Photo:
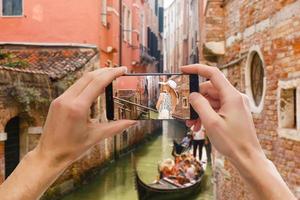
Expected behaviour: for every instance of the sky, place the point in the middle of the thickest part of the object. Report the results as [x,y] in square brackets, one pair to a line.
[167,2]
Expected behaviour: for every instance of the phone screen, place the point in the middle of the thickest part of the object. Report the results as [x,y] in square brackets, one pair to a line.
[151,97]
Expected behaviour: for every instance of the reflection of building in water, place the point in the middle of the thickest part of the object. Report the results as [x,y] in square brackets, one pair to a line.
[182,108]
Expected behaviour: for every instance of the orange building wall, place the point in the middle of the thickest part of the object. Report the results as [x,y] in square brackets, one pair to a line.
[59,21]
[109,35]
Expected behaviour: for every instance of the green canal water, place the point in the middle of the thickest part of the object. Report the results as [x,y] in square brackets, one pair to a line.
[117,183]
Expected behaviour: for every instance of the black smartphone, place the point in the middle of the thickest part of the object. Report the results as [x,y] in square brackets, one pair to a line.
[151,96]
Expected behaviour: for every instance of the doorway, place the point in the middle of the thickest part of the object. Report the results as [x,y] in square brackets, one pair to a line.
[12,145]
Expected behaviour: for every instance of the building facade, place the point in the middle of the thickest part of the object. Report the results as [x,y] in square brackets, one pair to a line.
[44,48]
[33,21]
[181,35]
[256,45]
[138,42]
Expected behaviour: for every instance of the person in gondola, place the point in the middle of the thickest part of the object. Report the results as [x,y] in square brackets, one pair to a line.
[167,168]
[187,140]
[168,100]
[189,170]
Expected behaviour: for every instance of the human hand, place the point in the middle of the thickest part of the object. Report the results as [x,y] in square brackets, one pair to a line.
[68,131]
[225,114]
[206,142]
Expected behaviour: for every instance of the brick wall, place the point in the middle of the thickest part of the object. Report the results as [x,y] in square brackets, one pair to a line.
[273,29]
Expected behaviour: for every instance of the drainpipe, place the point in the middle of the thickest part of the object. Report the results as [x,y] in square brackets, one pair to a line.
[121,32]
[116,155]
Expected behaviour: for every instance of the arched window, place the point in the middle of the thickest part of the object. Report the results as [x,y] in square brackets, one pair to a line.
[257,78]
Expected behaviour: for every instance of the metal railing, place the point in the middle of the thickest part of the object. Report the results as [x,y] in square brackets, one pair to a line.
[140,108]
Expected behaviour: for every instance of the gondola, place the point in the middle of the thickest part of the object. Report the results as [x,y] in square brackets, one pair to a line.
[165,190]
[178,149]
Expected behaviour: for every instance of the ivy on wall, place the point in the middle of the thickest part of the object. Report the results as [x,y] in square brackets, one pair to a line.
[27,98]
[65,83]
[11,60]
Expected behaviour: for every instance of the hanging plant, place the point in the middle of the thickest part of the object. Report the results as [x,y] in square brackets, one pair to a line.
[11,60]
[27,98]
[65,83]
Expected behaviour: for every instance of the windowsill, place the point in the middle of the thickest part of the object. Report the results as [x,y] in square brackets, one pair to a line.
[12,16]
[289,133]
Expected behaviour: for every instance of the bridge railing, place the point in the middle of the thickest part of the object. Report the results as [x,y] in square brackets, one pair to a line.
[145,110]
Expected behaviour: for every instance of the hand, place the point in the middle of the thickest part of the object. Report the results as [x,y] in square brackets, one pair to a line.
[68,131]
[206,142]
[225,114]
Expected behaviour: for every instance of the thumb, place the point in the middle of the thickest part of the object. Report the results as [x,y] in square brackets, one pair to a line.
[102,131]
[201,105]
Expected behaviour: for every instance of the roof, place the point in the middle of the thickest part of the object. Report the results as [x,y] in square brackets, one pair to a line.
[55,61]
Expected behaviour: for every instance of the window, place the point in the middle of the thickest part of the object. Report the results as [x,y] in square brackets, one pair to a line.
[12,7]
[104,12]
[127,24]
[255,80]
[185,102]
[289,109]
[124,21]
[143,34]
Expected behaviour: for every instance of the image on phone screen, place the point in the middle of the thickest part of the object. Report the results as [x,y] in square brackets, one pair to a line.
[151,97]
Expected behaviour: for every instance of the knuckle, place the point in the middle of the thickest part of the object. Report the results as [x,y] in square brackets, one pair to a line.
[238,98]
[246,100]
[213,123]
[57,103]
[89,75]
[73,111]
[215,70]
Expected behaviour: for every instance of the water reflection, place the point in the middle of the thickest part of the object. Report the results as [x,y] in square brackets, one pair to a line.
[116,183]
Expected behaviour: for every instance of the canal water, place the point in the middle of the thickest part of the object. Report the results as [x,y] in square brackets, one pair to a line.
[117,183]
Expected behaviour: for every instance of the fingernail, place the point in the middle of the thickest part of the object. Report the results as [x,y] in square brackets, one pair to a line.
[133,122]
[124,68]
[193,96]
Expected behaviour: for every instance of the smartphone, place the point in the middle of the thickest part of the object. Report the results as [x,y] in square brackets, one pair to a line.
[155,96]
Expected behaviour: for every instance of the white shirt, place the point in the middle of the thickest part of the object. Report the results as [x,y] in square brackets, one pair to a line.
[190,173]
[199,135]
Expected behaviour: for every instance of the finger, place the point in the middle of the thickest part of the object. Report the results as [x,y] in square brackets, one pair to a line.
[82,83]
[215,104]
[102,131]
[214,75]
[207,89]
[206,113]
[98,84]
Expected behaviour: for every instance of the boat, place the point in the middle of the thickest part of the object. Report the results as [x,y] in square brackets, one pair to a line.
[179,149]
[164,189]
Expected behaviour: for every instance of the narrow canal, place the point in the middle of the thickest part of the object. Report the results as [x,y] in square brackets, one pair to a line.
[117,183]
